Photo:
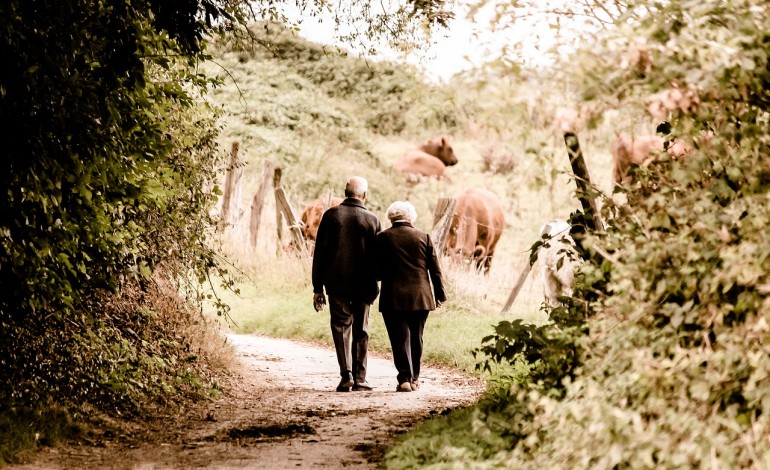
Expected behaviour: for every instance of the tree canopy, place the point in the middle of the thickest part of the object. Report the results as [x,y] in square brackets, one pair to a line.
[110,174]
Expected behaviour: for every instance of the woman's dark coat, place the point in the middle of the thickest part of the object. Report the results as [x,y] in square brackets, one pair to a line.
[409,270]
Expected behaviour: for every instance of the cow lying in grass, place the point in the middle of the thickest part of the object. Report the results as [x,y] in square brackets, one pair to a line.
[429,160]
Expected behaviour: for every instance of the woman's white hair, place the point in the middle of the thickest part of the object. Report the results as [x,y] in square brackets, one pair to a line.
[401,210]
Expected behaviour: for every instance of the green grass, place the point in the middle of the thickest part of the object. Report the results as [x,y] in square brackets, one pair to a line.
[275,300]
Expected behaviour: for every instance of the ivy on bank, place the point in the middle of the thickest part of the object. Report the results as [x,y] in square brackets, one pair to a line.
[109,177]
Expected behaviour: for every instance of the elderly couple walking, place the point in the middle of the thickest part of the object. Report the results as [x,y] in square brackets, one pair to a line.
[352,253]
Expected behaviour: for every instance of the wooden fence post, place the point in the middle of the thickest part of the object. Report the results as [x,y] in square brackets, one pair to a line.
[442,219]
[592,217]
[282,205]
[234,172]
[327,201]
[258,202]
[583,181]
[278,216]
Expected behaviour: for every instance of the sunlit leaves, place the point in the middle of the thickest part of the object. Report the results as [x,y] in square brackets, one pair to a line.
[673,370]
[105,182]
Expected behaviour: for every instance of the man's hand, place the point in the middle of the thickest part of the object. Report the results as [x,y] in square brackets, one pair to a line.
[439,303]
[319,300]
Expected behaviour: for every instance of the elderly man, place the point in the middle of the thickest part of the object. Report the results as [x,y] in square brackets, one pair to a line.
[412,285]
[343,263]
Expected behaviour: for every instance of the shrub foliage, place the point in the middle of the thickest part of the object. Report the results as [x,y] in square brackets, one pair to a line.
[110,163]
[387,97]
[672,364]
[106,181]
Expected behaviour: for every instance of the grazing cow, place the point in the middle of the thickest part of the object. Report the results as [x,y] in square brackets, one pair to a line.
[311,217]
[559,260]
[641,150]
[477,224]
[428,160]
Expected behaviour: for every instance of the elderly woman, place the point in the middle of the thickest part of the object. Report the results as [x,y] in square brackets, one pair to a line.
[407,265]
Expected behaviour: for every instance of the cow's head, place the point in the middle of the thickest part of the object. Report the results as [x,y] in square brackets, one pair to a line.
[308,239]
[441,149]
[310,219]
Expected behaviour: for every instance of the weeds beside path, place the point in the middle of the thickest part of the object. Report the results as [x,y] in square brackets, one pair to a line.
[280,410]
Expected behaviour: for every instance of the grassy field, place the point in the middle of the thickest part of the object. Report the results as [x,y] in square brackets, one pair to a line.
[275,299]
[293,115]
[276,293]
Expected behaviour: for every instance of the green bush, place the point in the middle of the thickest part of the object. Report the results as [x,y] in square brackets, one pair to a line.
[388,98]
[107,193]
[25,428]
[671,368]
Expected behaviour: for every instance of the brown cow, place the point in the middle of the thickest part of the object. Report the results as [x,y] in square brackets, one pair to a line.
[477,224]
[641,150]
[311,218]
[428,160]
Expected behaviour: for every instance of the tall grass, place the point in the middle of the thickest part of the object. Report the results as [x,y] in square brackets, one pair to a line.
[292,113]
[275,296]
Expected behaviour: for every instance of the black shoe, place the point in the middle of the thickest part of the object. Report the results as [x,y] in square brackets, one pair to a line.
[362,387]
[345,384]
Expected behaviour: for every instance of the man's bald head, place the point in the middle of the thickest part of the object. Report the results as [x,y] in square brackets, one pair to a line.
[356,187]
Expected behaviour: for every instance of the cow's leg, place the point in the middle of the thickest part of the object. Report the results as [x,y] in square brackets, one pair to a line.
[487,263]
[551,287]
[565,276]
[481,259]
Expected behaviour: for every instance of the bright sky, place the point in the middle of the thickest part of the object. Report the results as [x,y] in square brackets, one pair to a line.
[465,45]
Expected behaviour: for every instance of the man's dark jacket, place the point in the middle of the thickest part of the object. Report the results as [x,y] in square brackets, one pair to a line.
[343,261]
[407,264]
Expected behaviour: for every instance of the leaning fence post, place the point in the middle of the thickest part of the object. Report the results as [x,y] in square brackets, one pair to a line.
[593,219]
[583,182]
[282,204]
[517,287]
[258,202]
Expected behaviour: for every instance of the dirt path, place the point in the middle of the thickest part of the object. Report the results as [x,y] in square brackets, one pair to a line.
[280,411]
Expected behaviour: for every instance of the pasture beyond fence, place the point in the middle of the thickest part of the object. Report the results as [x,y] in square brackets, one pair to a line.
[231,212]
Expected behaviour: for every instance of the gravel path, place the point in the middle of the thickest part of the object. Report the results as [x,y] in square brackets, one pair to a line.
[280,411]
